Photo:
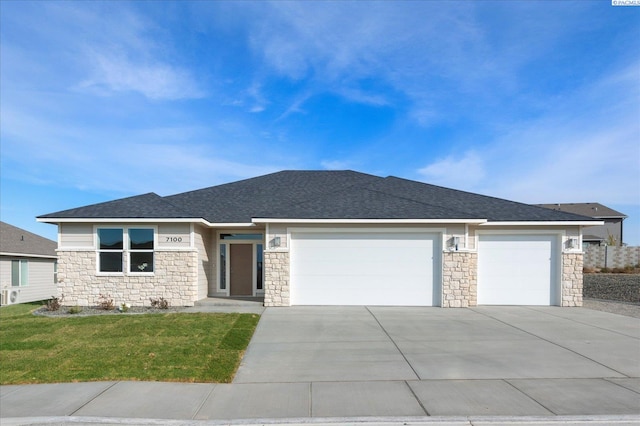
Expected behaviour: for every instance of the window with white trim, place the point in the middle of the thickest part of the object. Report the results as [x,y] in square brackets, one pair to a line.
[19,273]
[117,244]
[110,249]
[140,250]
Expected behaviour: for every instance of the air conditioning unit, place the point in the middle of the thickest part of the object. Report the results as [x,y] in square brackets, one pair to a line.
[10,296]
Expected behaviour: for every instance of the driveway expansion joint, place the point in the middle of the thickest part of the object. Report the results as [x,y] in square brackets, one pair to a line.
[92,399]
[204,401]
[530,397]
[394,344]
[550,341]
[584,323]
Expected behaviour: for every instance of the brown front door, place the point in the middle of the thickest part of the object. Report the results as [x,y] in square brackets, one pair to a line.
[241,270]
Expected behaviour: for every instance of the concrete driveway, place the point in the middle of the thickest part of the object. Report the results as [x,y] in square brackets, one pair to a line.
[544,365]
[480,361]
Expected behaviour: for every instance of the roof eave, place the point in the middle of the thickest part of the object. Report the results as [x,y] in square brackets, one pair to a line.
[547,223]
[231,225]
[610,217]
[383,221]
[55,220]
[40,256]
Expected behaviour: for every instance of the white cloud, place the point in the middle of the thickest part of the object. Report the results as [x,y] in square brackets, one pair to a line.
[458,172]
[155,80]
[583,149]
[97,49]
[122,161]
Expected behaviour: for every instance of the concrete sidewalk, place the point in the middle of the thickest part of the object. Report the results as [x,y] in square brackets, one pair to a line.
[385,364]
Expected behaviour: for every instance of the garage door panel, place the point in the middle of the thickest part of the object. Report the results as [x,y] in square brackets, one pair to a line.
[359,269]
[320,291]
[517,269]
[383,265]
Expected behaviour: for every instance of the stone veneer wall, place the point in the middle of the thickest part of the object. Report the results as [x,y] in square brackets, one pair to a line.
[175,278]
[459,279]
[572,279]
[276,278]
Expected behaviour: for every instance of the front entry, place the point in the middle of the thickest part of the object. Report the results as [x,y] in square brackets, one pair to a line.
[241,270]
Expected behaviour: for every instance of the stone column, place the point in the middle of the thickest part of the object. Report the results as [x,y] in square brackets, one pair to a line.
[459,279]
[572,264]
[276,278]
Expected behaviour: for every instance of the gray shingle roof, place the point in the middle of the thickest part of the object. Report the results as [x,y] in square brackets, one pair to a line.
[319,195]
[145,206]
[20,241]
[595,210]
[238,202]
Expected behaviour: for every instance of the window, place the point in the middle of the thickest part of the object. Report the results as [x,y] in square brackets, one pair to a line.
[259,263]
[110,249]
[138,247]
[241,237]
[19,273]
[140,250]
[223,267]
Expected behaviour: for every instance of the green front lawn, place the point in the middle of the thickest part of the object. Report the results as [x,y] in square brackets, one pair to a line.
[158,347]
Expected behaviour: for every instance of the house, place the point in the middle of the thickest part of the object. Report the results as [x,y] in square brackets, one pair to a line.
[27,266]
[321,238]
[598,234]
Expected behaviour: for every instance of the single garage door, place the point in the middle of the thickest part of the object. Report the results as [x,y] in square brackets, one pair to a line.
[372,268]
[518,270]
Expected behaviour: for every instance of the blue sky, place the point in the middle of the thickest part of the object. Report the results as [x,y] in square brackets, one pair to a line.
[533,101]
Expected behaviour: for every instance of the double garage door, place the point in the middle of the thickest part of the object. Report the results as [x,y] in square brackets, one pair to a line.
[365,268]
[394,268]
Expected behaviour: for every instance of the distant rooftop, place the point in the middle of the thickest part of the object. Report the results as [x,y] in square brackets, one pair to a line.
[16,240]
[595,210]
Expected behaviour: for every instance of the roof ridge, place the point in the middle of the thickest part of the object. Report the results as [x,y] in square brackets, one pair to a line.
[269,174]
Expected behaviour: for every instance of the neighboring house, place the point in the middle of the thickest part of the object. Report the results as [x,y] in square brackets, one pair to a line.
[27,266]
[598,234]
[321,238]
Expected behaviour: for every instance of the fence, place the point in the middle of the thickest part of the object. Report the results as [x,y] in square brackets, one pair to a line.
[611,256]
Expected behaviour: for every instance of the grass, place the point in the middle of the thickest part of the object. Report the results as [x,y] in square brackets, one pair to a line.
[156,347]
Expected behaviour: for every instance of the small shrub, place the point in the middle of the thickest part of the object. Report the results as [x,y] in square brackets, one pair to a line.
[54,303]
[106,302]
[617,270]
[75,310]
[159,303]
[124,307]
[588,270]
[605,270]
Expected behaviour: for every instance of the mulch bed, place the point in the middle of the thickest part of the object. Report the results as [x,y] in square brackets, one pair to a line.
[92,310]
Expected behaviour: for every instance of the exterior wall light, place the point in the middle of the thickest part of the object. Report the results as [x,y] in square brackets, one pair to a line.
[453,243]
[275,242]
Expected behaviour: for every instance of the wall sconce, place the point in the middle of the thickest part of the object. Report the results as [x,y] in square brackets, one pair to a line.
[572,243]
[275,242]
[453,243]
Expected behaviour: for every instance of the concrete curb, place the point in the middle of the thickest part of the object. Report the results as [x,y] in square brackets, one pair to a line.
[618,420]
